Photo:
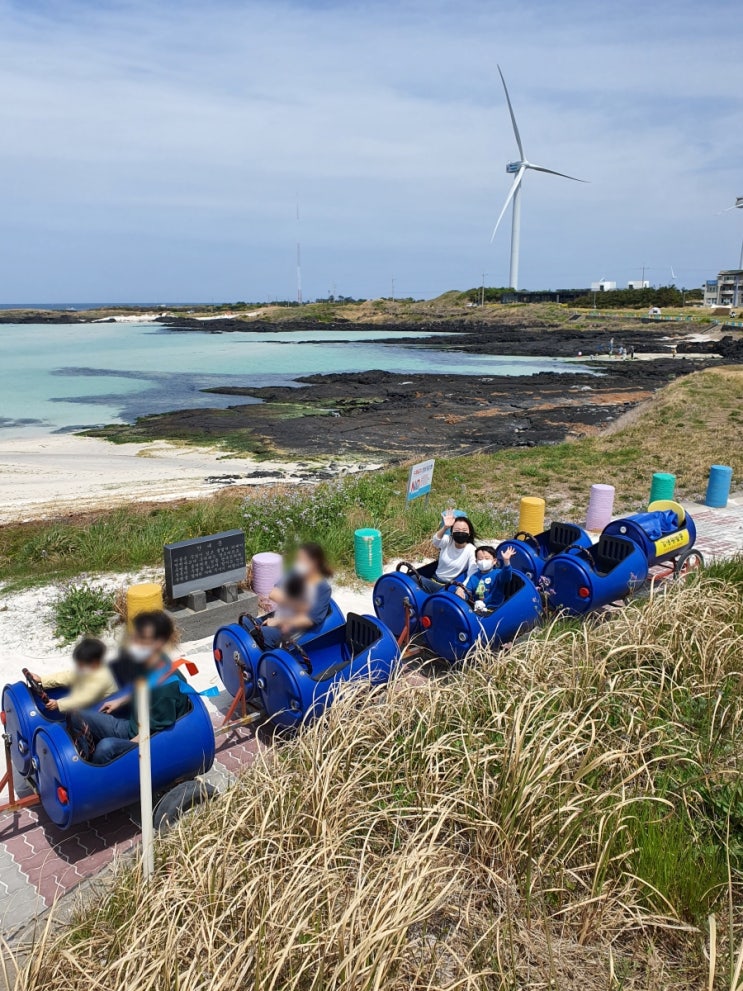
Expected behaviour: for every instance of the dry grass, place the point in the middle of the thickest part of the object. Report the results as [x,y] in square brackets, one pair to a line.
[482,830]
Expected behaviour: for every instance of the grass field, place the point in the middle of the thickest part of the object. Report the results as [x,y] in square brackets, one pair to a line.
[694,422]
[567,814]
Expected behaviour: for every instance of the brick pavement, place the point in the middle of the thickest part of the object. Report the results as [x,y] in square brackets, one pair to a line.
[40,863]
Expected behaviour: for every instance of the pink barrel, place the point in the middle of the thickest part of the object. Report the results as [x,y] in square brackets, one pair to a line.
[600,507]
[267,570]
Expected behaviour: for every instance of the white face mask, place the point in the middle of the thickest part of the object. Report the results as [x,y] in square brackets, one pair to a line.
[301,568]
[140,653]
[485,564]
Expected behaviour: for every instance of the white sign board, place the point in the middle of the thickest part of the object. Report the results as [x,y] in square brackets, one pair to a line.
[420,479]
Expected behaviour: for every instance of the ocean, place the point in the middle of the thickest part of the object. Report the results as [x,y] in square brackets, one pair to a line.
[67,377]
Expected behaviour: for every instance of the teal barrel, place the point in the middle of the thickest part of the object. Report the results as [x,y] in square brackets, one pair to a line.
[662,487]
[367,545]
[718,486]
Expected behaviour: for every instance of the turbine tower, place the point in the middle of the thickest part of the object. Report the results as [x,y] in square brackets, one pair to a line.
[518,170]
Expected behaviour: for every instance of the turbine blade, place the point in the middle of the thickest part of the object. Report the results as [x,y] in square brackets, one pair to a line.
[539,168]
[513,116]
[726,210]
[511,193]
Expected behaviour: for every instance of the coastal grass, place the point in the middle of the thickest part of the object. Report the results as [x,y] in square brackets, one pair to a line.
[537,818]
[687,426]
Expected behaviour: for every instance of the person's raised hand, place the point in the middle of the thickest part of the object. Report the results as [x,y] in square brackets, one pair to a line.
[449,518]
[508,554]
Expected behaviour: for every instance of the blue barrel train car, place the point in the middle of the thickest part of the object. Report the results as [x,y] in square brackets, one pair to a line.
[237,649]
[72,790]
[298,682]
[584,578]
[532,550]
[580,579]
[664,532]
[399,595]
[451,627]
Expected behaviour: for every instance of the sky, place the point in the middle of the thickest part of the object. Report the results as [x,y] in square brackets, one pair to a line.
[158,150]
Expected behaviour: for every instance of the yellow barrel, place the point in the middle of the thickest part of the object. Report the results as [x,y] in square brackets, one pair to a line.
[142,598]
[531,514]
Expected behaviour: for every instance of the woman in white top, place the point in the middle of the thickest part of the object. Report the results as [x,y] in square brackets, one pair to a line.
[456,552]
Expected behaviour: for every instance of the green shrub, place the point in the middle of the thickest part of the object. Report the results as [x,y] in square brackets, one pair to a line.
[81,609]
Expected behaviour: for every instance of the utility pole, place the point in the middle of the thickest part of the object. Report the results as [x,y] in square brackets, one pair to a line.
[482,290]
[393,289]
[299,262]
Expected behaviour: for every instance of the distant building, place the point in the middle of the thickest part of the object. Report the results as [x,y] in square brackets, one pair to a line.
[726,289]
[603,286]
[638,284]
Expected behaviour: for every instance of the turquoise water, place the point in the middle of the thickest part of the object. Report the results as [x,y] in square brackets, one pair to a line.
[67,377]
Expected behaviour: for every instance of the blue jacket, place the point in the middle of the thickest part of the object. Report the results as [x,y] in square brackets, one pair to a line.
[489,586]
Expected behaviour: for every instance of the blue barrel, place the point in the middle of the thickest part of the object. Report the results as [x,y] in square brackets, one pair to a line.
[23,713]
[235,650]
[718,486]
[297,687]
[585,578]
[451,627]
[532,550]
[73,790]
[367,545]
[394,589]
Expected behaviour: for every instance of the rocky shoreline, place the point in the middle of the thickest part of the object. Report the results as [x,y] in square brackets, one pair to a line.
[393,417]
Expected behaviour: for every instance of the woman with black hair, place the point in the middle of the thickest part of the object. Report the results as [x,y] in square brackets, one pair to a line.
[302,599]
[455,541]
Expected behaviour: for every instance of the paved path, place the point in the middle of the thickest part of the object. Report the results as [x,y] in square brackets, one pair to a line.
[39,863]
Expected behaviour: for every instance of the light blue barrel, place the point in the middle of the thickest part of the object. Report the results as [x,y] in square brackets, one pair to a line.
[718,487]
[663,486]
[367,545]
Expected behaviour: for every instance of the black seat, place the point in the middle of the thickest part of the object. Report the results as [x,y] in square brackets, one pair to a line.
[361,633]
[611,551]
[515,585]
[563,535]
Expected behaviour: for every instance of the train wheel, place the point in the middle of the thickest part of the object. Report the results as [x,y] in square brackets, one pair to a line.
[182,798]
[686,564]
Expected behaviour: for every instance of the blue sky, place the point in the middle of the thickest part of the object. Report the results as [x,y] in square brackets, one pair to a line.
[155,150]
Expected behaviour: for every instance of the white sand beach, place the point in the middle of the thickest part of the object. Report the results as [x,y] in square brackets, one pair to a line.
[42,476]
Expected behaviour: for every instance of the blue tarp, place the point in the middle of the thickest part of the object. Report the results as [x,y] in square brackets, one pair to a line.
[657,524]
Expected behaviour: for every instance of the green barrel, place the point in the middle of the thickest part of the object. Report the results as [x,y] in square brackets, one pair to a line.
[663,486]
[367,545]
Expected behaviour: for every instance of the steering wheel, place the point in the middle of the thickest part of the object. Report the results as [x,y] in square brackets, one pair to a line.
[467,594]
[408,569]
[295,648]
[577,550]
[528,538]
[254,628]
[35,685]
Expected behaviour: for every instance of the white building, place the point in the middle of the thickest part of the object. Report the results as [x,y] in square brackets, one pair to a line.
[603,286]
[726,289]
[638,284]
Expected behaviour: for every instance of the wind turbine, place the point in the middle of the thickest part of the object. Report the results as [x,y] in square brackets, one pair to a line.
[738,205]
[518,170]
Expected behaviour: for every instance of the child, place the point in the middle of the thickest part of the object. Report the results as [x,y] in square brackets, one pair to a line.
[108,735]
[487,586]
[456,552]
[89,681]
